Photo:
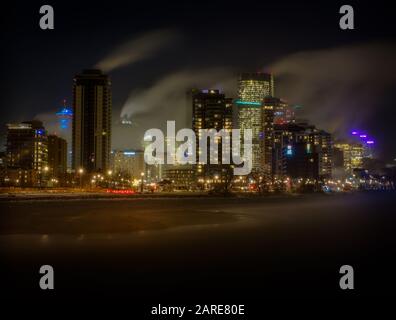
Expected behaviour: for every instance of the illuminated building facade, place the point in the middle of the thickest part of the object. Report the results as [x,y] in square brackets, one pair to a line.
[283,113]
[318,148]
[326,154]
[253,88]
[249,117]
[211,110]
[128,163]
[27,152]
[182,177]
[366,141]
[267,135]
[352,154]
[92,104]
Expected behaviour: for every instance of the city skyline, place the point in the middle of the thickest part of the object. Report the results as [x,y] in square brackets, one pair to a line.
[157,154]
[325,70]
[287,153]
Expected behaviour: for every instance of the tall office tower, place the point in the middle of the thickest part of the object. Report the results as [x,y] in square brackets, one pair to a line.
[253,88]
[326,154]
[211,110]
[27,152]
[249,117]
[57,157]
[92,105]
[267,140]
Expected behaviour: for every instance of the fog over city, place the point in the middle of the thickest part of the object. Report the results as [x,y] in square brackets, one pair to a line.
[336,87]
[341,80]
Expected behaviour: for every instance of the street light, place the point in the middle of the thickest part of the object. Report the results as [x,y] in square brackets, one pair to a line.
[141,186]
[109,173]
[45,170]
[81,171]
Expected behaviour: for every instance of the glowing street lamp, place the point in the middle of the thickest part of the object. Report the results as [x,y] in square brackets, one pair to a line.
[45,170]
[141,185]
[81,171]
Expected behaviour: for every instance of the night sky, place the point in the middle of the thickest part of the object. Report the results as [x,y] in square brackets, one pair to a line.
[343,80]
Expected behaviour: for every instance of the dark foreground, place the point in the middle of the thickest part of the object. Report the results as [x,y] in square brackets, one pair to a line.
[200,250]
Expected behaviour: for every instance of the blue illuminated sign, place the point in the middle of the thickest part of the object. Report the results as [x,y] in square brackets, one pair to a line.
[248,103]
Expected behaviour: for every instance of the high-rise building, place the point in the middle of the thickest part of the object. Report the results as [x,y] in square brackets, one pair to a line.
[253,88]
[283,113]
[27,145]
[301,161]
[211,110]
[352,155]
[57,157]
[249,117]
[92,104]
[268,108]
[326,154]
[27,152]
[290,141]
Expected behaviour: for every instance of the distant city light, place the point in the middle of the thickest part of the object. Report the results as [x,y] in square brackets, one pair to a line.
[354,133]
[363,136]
[129,153]
[370,142]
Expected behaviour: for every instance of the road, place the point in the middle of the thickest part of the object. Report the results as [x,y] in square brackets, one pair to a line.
[191,249]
